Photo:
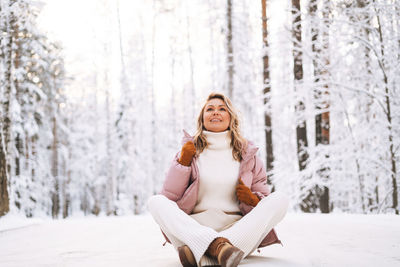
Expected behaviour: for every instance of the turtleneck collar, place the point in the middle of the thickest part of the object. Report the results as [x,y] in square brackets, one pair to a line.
[218,141]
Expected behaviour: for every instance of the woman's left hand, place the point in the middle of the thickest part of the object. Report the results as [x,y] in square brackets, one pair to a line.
[245,195]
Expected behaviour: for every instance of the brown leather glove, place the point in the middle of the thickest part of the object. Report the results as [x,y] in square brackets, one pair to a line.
[187,154]
[245,195]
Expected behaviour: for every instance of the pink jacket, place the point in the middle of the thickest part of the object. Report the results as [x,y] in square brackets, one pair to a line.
[182,183]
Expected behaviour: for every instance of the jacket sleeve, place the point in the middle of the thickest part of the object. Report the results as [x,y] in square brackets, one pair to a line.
[176,180]
[259,185]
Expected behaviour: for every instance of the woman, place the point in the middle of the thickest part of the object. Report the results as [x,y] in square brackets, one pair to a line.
[213,207]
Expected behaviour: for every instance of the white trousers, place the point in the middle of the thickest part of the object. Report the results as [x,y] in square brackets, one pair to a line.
[245,234]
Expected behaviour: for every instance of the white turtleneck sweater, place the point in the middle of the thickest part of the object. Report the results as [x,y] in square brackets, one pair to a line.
[219,173]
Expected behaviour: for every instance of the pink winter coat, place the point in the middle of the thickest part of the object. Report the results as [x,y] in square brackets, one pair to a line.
[182,183]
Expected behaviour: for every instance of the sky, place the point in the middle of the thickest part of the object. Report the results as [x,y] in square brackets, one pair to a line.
[69,22]
[79,25]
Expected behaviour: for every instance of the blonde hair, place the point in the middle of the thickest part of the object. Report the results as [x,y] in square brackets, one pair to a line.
[238,143]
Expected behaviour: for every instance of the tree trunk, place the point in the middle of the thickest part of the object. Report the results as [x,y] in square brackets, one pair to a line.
[321,76]
[308,204]
[321,73]
[54,170]
[267,92]
[365,33]
[110,183]
[4,200]
[126,102]
[18,146]
[18,140]
[301,128]
[230,48]
[5,125]
[66,193]
[388,117]
[8,94]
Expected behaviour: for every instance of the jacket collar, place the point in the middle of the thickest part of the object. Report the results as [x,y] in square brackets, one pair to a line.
[247,152]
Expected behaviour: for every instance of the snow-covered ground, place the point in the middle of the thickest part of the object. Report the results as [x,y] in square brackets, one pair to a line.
[309,240]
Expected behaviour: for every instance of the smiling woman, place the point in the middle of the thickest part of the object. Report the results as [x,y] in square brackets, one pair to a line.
[216,116]
[211,185]
[219,107]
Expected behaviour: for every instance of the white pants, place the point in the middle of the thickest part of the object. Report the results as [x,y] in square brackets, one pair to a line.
[245,234]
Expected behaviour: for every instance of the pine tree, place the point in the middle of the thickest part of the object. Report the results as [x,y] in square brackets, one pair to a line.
[320,49]
[4,200]
[267,92]
[308,204]
[4,109]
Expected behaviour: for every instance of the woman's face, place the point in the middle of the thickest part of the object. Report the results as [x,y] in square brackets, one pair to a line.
[216,117]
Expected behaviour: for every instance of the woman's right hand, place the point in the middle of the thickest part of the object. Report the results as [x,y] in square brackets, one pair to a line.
[187,153]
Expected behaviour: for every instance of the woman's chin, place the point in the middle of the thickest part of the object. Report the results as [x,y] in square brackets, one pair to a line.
[216,129]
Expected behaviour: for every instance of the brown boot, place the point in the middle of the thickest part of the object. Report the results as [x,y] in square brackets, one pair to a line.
[226,254]
[186,257]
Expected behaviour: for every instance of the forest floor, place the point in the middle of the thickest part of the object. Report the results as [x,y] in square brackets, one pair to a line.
[309,240]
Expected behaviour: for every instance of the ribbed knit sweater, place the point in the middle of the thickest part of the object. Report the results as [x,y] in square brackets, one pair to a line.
[219,173]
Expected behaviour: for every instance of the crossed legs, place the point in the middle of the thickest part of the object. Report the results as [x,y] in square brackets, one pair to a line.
[246,234]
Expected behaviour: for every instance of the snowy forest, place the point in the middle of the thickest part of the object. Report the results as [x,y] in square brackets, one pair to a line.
[90,125]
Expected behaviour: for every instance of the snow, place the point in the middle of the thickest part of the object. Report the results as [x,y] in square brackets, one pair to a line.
[14,221]
[309,240]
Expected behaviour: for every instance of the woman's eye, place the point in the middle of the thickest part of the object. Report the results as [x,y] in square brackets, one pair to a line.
[222,109]
[209,109]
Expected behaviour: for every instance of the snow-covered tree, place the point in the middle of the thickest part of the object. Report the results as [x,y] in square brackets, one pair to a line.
[29,79]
